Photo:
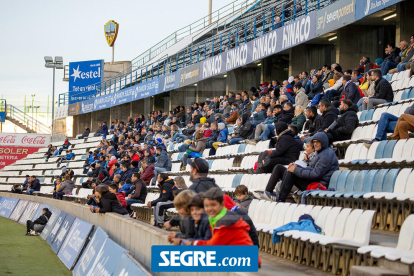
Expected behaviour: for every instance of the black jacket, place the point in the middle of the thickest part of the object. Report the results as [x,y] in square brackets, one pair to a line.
[252,232]
[167,187]
[393,55]
[197,118]
[35,185]
[87,184]
[43,219]
[286,145]
[202,184]
[86,133]
[202,229]
[352,92]
[327,118]
[347,123]
[313,123]
[189,131]
[285,116]
[383,90]
[109,203]
[315,88]
[140,190]
[245,129]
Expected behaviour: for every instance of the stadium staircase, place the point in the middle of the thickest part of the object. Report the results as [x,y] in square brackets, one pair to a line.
[371,201]
[25,121]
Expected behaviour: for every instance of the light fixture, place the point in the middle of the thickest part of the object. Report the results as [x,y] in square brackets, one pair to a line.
[390,16]
[195,84]
[225,76]
[332,38]
[259,64]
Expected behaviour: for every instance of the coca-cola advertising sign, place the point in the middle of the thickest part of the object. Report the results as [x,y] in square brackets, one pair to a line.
[27,139]
[9,155]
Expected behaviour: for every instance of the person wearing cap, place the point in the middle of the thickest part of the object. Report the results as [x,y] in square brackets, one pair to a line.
[320,169]
[198,175]
[163,163]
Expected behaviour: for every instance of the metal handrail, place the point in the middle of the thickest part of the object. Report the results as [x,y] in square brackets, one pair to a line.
[252,27]
[21,116]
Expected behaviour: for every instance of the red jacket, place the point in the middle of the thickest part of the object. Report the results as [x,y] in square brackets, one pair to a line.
[111,172]
[207,133]
[135,157]
[229,230]
[121,199]
[148,174]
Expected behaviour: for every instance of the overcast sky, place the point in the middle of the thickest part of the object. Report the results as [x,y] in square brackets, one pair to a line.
[74,29]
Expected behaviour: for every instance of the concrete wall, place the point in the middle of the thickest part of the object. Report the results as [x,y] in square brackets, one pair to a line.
[135,236]
[99,117]
[80,121]
[122,112]
[184,96]
[212,87]
[306,57]
[405,21]
[243,78]
[113,69]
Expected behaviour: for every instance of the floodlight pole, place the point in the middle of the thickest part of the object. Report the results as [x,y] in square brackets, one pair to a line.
[210,10]
[113,53]
[53,97]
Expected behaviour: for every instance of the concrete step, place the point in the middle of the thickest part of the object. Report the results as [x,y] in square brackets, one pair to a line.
[374,271]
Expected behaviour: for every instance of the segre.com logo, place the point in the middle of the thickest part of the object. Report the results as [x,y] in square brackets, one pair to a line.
[168,258]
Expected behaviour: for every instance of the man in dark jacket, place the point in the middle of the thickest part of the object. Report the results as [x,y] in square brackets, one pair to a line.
[351,91]
[167,188]
[98,132]
[345,124]
[391,61]
[163,163]
[33,185]
[125,172]
[383,92]
[243,130]
[104,130]
[39,224]
[85,133]
[287,150]
[287,114]
[320,169]
[139,191]
[329,115]
[198,175]
[313,119]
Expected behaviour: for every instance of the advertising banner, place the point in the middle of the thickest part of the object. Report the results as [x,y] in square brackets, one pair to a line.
[84,76]
[18,210]
[128,266]
[56,227]
[168,258]
[189,75]
[366,7]
[130,94]
[25,139]
[51,223]
[87,260]
[74,242]
[7,206]
[28,213]
[335,16]
[63,231]
[170,81]
[9,155]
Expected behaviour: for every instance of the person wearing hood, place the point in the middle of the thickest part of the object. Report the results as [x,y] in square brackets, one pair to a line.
[198,175]
[163,163]
[243,130]
[107,202]
[301,98]
[320,169]
[39,224]
[196,149]
[85,134]
[345,124]
[286,150]
[66,188]
[351,91]
[167,188]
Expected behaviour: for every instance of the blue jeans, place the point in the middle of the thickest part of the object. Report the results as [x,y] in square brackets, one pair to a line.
[401,67]
[359,103]
[331,93]
[183,147]
[269,131]
[184,160]
[387,66]
[386,124]
[132,201]
[235,141]
[178,137]
[156,171]
[30,192]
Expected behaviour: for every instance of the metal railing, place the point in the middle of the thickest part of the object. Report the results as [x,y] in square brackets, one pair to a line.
[27,120]
[239,33]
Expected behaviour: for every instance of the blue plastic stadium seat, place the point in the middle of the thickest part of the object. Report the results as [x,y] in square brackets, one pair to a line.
[389,181]
[379,180]
[241,148]
[367,184]
[379,153]
[349,185]
[210,163]
[411,94]
[236,180]
[332,183]
[363,116]
[389,148]
[340,185]
[388,77]
[180,155]
[357,185]
[405,94]
[369,115]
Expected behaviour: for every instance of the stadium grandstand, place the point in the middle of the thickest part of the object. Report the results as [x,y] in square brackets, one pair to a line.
[297,117]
